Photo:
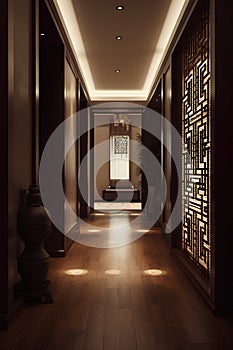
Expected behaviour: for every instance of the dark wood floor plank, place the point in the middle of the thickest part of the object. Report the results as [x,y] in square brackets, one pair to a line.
[127,333]
[95,328]
[111,325]
[144,331]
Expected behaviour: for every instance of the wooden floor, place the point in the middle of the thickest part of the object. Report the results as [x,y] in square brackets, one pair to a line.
[114,304]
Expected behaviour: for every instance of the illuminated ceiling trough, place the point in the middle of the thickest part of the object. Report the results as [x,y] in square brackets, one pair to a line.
[146,29]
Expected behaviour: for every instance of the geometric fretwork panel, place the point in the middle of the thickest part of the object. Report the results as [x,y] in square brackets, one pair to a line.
[196,136]
[121,144]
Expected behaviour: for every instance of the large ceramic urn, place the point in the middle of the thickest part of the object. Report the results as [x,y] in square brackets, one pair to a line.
[34,227]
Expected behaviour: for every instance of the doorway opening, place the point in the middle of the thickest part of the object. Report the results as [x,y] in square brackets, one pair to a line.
[117,184]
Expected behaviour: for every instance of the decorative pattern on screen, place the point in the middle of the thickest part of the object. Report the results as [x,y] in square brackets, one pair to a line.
[196,121]
[119,157]
[121,144]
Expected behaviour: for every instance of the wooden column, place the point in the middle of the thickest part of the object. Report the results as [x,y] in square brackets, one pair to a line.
[84,210]
[222,185]
[5,50]
[92,161]
[151,142]
[51,113]
[176,119]
[34,88]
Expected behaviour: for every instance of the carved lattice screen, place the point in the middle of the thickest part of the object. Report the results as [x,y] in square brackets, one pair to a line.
[196,136]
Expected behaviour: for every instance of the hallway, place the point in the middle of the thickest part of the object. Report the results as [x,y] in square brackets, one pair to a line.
[104,101]
[114,303]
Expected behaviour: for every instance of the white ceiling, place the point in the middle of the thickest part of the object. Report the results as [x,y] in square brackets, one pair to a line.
[146,27]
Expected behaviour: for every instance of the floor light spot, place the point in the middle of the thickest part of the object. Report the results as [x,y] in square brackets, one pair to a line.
[76,272]
[153,272]
[120,8]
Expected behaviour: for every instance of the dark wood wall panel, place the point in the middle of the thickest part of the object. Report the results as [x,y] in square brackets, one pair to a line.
[4,160]
[222,184]
[51,103]
[150,141]
[70,164]
[84,148]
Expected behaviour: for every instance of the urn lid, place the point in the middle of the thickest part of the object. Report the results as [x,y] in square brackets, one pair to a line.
[33,197]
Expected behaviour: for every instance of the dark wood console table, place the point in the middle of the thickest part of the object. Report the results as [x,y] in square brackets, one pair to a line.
[121,194]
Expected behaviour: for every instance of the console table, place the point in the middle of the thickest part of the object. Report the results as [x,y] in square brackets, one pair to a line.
[121,194]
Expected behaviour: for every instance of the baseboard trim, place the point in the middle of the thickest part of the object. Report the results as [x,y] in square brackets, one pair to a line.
[218,309]
[7,319]
[4,322]
[194,276]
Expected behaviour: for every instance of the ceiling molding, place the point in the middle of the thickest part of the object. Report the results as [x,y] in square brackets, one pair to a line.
[71,31]
[167,59]
[68,48]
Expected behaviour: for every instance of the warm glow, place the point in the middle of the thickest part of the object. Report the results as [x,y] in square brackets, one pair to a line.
[113,272]
[175,12]
[67,15]
[93,230]
[76,272]
[153,272]
[142,231]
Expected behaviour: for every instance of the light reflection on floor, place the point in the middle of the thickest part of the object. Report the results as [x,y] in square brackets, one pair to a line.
[117,206]
[114,228]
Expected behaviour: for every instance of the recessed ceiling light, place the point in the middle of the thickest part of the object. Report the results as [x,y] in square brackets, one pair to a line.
[117,70]
[120,8]
[42,34]
[119,37]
